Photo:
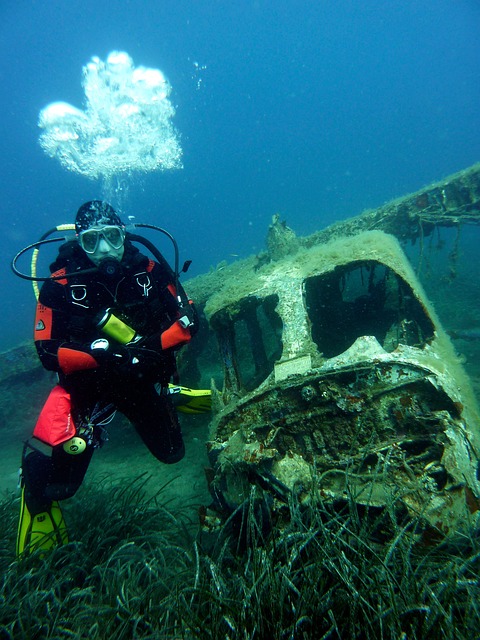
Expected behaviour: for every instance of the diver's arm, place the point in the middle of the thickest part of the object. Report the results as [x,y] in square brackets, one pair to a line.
[69,357]
[52,346]
[181,323]
[50,325]
[52,336]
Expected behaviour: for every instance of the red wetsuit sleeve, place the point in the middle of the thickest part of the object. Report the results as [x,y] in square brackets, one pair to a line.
[72,359]
[54,352]
[176,335]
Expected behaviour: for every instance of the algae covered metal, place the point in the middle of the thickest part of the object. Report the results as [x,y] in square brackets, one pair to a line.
[340,383]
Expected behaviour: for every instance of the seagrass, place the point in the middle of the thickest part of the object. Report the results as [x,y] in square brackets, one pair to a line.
[137,568]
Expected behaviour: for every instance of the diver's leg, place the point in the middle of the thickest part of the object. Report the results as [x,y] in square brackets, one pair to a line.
[57,476]
[49,474]
[156,421]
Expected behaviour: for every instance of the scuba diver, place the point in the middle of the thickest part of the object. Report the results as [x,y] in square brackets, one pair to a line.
[109,322]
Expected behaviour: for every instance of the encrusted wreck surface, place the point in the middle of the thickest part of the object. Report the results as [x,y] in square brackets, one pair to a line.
[340,382]
[338,378]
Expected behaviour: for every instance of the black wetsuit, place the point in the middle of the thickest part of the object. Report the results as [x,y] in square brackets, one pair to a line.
[140,293]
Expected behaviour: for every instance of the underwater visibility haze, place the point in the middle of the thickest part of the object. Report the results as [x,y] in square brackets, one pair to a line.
[314,110]
[211,119]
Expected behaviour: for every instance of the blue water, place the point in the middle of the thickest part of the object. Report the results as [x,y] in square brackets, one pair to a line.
[315,109]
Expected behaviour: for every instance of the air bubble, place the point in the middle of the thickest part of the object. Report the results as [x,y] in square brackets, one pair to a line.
[126,125]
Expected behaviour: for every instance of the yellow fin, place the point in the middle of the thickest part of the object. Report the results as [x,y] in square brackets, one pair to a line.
[189,400]
[43,531]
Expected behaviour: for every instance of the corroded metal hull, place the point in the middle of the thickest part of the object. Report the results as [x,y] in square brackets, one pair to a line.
[340,384]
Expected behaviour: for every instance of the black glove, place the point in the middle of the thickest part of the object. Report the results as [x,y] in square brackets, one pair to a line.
[144,356]
[188,318]
[130,359]
[155,365]
[109,354]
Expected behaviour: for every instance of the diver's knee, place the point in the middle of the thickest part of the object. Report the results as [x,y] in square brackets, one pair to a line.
[172,456]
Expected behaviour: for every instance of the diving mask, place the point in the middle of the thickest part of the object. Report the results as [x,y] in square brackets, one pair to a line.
[113,235]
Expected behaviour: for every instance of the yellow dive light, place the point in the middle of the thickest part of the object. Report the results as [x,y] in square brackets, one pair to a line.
[115,328]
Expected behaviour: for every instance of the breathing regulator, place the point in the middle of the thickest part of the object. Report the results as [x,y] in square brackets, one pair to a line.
[110,324]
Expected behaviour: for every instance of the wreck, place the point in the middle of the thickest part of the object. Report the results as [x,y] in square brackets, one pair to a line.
[339,382]
[333,379]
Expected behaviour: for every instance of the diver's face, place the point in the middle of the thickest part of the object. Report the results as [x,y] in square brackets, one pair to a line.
[103,242]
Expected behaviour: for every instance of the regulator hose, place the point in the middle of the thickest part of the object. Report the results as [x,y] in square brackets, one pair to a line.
[34,278]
